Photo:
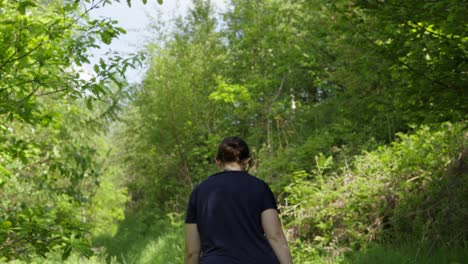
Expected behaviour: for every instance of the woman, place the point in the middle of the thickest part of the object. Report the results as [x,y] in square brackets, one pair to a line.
[232,217]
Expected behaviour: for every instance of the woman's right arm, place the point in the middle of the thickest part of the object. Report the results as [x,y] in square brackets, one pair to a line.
[274,232]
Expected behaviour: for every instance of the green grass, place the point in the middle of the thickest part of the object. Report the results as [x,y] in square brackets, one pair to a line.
[55,258]
[167,249]
[161,242]
[146,238]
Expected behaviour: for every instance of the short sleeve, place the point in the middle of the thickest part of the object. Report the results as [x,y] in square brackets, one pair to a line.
[191,216]
[269,201]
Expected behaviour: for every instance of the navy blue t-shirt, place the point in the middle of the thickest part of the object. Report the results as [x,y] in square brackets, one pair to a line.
[227,209]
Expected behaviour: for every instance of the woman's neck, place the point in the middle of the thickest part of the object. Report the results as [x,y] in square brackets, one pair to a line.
[232,166]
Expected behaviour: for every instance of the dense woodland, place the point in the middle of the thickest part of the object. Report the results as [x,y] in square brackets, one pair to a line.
[356,112]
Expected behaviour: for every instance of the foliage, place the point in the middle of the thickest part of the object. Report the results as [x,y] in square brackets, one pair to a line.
[355,112]
[106,208]
[47,177]
[167,128]
[326,94]
[49,111]
[42,56]
[414,189]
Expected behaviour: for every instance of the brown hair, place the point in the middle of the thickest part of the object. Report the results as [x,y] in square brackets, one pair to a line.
[233,149]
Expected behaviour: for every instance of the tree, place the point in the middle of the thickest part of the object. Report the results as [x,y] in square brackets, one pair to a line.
[48,168]
[171,125]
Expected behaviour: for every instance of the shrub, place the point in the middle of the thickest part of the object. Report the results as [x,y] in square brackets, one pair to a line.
[414,189]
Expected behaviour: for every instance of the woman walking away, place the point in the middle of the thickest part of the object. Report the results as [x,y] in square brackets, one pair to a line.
[232,217]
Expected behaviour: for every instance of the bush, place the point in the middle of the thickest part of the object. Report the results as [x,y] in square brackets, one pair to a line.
[414,189]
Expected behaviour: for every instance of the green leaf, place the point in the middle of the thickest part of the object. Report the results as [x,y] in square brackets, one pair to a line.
[106,37]
[66,252]
[3,171]
[23,5]
[89,104]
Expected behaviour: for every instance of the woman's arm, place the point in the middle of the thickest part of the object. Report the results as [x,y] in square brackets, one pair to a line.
[192,244]
[275,235]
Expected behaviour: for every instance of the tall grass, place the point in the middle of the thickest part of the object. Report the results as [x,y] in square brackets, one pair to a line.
[146,238]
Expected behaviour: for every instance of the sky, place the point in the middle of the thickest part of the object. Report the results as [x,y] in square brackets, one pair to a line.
[135,20]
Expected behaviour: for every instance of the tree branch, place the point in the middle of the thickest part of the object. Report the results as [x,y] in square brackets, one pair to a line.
[52,92]
[22,55]
[280,88]
[29,95]
[16,84]
[8,60]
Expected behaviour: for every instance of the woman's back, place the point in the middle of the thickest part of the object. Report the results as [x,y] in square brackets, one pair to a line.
[227,209]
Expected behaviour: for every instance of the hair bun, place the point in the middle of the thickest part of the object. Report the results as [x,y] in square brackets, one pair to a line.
[233,149]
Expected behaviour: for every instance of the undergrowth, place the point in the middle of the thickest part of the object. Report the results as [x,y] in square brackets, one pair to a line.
[401,203]
[416,188]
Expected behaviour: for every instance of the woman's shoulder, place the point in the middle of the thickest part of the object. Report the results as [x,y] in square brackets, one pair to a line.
[238,175]
[256,179]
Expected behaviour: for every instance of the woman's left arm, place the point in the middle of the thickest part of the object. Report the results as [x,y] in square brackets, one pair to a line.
[192,244]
